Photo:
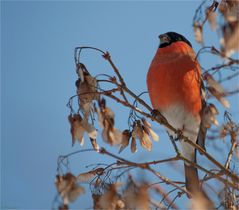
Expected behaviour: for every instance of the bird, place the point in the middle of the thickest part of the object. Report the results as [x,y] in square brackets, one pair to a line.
[176,91]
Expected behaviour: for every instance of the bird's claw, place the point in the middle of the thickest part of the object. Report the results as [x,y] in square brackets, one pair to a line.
[158,116]
[179,134]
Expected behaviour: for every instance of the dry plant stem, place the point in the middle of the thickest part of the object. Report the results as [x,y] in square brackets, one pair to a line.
[168,181]
[210,9]
[161,161]
[147,167]
[222,55]
[178,157]
[107,57]
[217,52]
[157,205]
[165,196]
[230,154]
[122,160]
[224,181]
[233,92]
[145,164]
[226,171]
[234,177]
[215,68]
[163,122]
[229,77]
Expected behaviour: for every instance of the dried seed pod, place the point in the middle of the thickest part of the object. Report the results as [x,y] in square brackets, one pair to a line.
[110,199]
[213,83]
[87,92]
[198,32]
[84,177]
[223,131]
[91,130]
[80,70]
[220,97]
[146,142]
[68,188]
[105,114]
[200,201]
[136,197]
[137,130]
[77,129]
[96,199]
[94,144]
[209,116]
[212,19]
[216,90]
[142,134]
[230,38]
[125,140]
[149,130]
[79,126]
[110,134]
[133,145]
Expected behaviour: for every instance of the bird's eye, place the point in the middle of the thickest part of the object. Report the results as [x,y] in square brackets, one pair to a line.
[164,39]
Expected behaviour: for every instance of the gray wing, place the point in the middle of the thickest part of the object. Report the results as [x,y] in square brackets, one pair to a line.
[202,130]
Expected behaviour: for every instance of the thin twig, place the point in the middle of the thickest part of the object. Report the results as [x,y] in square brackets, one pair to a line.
[165,196]
[166,124]
[147,167]
[230,154]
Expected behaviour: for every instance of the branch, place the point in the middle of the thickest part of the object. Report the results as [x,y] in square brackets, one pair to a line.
[165,123]
[230,154]
[147,167]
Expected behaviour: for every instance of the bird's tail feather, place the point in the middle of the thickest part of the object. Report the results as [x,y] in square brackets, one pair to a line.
[191,179]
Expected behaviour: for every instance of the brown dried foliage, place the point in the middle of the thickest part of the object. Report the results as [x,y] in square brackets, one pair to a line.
[107,192]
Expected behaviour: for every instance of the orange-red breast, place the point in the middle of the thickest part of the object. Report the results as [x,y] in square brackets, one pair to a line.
[174,85]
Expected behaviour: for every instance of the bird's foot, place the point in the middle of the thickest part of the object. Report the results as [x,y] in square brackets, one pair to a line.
[173,140]
[179,134]
[158,116]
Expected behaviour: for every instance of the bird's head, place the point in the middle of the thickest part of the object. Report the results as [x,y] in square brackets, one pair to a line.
[170,37]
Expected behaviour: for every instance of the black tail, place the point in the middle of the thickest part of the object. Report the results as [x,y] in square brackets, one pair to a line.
[191,179]
[192,185]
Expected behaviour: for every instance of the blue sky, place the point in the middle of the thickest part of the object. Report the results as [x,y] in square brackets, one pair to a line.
[38,76]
